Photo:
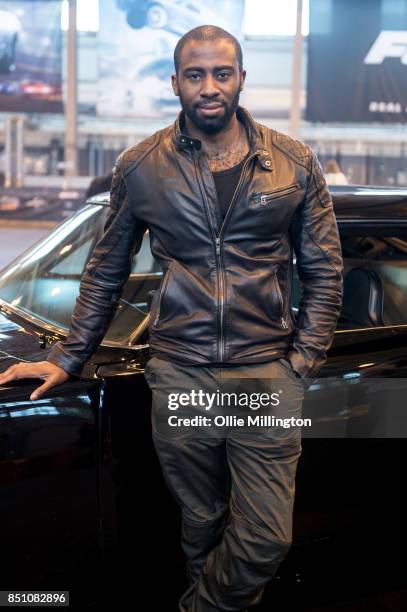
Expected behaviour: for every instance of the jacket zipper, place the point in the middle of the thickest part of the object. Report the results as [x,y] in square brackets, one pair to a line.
[218,247]
[215,238]
[221,299]
[217,242]
[280,297]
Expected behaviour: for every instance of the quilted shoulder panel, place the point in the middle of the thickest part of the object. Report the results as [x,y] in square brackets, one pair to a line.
[133,156]
[296,149]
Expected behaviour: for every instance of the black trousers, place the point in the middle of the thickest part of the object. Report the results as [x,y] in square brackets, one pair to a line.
[235,489]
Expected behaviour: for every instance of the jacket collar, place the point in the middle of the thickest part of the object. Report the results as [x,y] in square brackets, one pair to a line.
[184,142]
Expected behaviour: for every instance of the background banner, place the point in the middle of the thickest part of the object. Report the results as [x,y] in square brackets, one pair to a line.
[30,56]
[135,47]
[357,61]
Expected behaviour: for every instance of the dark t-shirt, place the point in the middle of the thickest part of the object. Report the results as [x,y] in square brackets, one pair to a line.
[226,182]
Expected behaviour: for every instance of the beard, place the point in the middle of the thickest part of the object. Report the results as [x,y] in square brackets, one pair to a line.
[210,125]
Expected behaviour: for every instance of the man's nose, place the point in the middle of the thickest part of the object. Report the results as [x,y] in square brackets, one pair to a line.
[209,87]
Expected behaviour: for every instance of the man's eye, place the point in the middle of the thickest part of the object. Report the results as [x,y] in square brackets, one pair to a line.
[194,76]
[223,75]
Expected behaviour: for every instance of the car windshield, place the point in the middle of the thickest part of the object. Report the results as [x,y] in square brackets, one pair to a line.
[44,281]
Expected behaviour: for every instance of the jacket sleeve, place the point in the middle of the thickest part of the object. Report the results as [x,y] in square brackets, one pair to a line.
[102,282]
[316,242]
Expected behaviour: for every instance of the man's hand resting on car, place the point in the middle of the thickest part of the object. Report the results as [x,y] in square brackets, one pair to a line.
[51,373]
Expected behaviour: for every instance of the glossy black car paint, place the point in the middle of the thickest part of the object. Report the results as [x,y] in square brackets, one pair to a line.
[80,480]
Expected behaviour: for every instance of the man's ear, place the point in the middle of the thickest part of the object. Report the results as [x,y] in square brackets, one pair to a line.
[174,83]
[242,79]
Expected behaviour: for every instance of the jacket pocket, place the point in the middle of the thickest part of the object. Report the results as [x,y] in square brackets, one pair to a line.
[161,294]
[281,314]
[266,198]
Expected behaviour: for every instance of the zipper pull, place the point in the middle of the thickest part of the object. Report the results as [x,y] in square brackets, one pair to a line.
[217,245]
[284,323]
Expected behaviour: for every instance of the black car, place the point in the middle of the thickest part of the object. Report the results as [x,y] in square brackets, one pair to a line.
[81,487]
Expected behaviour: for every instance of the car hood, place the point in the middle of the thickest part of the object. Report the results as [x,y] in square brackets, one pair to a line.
[18,344]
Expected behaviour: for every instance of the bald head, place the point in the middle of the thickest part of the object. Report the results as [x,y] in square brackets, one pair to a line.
[207,33]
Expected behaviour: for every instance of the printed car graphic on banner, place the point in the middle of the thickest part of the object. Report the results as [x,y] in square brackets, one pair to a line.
[357,61]
[136,42]
[10,27]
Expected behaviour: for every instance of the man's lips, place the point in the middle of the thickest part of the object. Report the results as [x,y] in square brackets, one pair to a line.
[211,108]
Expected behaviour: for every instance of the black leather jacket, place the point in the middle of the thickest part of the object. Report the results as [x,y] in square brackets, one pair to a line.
[225,296]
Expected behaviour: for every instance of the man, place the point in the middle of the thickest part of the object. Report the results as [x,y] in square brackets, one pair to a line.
[226,201]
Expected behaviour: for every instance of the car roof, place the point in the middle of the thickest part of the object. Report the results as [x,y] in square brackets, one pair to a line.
[369,202]
[350,201]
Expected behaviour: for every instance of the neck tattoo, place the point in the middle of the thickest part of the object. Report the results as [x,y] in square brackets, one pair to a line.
[223,158]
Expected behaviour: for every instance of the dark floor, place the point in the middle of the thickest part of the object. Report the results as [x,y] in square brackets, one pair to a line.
[328,575]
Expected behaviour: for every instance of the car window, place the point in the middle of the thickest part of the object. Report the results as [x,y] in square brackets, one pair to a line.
[375,282]
[75,256]
[44,281]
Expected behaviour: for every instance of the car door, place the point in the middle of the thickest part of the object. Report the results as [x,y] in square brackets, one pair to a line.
[353,454]
[50,468]
[369,346]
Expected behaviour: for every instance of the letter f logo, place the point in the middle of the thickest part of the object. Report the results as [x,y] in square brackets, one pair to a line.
[389,43]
